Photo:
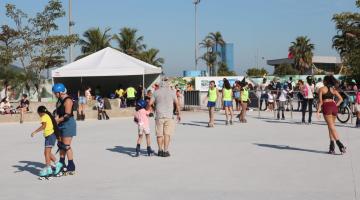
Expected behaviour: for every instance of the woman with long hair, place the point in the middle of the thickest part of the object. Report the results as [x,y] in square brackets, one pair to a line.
[308,92]
[227,95]
[329,107]
[67,126]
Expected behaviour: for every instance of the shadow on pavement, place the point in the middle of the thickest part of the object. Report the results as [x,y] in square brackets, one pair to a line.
[285,147]
[30,166]
[130,151]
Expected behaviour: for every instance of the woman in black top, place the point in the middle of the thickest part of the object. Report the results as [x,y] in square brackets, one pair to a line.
[67,125]
[329,108]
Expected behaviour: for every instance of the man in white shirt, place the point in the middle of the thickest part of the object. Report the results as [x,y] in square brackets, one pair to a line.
[318,85]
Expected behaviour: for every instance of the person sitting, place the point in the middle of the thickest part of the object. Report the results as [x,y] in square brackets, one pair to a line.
[23,107]
[5,106]
[101,109]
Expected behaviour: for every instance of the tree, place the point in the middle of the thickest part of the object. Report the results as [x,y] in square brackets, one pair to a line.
[285,69]
[210,60]
[36,46]
[7,43]
[218,40]
[256,72]
[94,40]
[347,40]
[302,50]
[129,43]
[224,70]
[150,56]
[209,56]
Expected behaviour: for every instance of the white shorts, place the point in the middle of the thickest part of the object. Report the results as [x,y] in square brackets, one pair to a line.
[357,107]
[142,130]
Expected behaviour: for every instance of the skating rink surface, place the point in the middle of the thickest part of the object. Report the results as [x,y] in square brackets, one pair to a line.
[263,159]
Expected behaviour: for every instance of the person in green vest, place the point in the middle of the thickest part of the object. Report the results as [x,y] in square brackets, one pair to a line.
[130,96]
[212,98]
[244,100]
[227,97]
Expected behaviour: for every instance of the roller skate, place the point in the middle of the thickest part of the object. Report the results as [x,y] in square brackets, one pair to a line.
[58,169]
[227,123]
[46,173]
[137,154]
[150,152]
[70,169]
[332,148]
[342,148]
[231,122]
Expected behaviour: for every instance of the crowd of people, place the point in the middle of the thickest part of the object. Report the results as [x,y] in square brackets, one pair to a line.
[60,127]
[328,93]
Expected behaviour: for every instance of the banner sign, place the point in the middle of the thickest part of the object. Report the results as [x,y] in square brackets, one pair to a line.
[202,83]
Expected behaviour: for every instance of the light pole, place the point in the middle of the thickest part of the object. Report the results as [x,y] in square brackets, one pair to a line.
[196,2]
[70,24]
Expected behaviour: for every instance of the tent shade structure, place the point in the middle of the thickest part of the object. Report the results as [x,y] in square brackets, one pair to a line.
[106,69]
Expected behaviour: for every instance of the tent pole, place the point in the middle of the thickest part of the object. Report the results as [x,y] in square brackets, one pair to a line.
[143,91]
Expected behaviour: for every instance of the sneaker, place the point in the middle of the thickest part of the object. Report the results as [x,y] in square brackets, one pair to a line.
[166,154]
[231,122]
[227,123]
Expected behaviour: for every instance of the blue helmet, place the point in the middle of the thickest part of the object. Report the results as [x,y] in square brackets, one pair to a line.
[99,98]
[141,103]
[58,87]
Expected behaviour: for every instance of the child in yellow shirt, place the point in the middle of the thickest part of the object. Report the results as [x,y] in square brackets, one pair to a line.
[49,127]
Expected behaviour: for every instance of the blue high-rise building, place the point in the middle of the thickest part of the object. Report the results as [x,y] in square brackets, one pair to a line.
[226,53]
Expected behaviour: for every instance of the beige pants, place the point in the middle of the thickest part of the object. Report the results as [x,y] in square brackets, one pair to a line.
[164,126]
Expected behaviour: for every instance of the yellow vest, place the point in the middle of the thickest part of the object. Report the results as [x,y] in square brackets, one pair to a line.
[227,94]
[130,92]
[212,95]
[245,95]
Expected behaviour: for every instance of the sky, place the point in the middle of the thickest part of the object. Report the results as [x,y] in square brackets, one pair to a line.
[259,29]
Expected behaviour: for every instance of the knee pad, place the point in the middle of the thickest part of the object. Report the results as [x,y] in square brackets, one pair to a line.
[64,147]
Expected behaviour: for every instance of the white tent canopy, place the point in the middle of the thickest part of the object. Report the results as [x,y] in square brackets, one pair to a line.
[106,62]
[106,69]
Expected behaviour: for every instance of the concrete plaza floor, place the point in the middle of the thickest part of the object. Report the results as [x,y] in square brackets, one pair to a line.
[263,159]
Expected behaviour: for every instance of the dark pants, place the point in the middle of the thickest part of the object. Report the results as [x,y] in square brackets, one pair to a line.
[305,104]
[130,102]
[262,98]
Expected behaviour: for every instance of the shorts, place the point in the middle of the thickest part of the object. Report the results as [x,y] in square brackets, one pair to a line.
[142,130]
[164,126]
[211,104]
[357,107]
[329,108]
[68,128]
[82,100]
[228,103]
[50,140]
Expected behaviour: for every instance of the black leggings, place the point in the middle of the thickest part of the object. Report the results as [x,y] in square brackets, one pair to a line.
[305,103]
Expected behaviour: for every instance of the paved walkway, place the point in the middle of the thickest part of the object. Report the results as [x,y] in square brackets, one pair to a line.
[263,159]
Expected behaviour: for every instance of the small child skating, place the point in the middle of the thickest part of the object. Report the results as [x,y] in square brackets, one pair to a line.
[282,101]
[141,118]
[49,126]
[101,109]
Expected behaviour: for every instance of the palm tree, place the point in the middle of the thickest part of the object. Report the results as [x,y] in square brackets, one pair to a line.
[302,50]
[210,60]
[150,56]
[94,40]
[129,43]
[208,57]
[217,40]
